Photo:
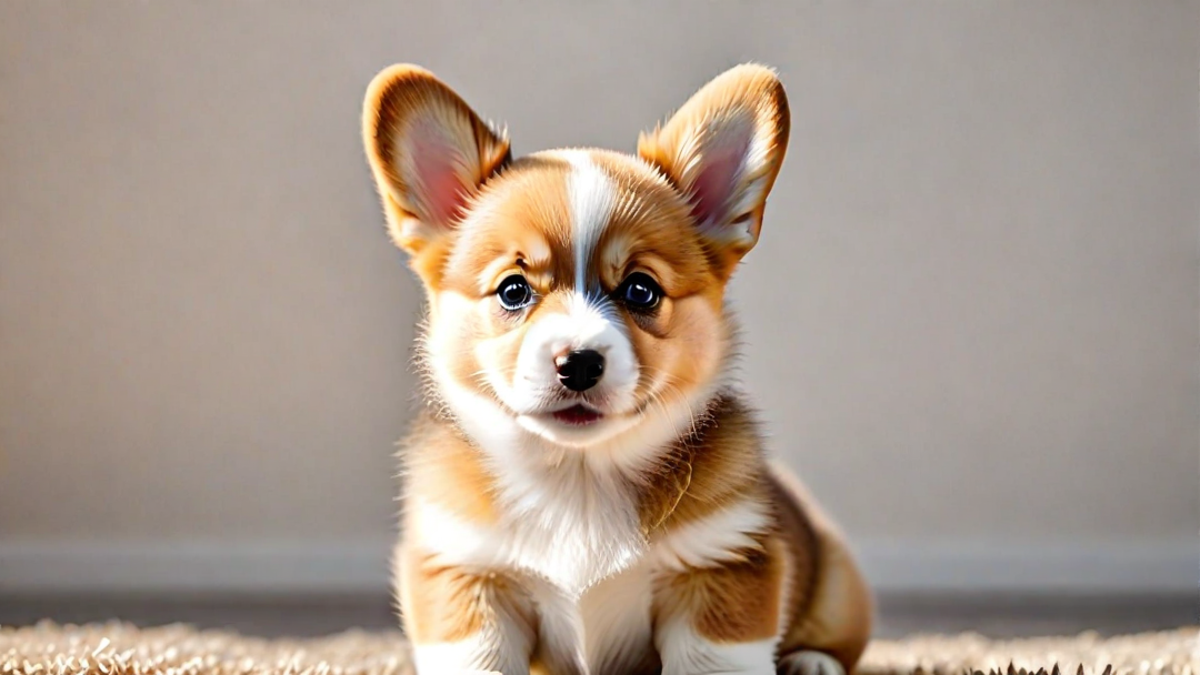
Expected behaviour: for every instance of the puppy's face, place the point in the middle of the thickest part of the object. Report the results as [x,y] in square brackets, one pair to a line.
[576,295]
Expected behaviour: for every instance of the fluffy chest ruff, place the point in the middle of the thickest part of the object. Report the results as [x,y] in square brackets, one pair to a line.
[574,543]
[587,546]
[557,520]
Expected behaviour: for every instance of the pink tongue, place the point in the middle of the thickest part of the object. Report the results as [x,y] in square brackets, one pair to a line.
[577,415]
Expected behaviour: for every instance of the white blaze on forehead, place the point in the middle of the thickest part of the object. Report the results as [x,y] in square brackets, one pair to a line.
[592,196]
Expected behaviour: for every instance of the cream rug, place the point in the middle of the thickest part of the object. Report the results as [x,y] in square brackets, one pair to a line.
[121,649]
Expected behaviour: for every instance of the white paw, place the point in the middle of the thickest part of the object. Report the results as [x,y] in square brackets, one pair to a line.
[810,663]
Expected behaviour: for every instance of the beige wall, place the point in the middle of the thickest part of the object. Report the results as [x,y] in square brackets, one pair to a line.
[973,316]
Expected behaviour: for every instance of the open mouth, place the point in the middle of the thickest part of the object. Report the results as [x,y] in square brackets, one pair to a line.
[577,415]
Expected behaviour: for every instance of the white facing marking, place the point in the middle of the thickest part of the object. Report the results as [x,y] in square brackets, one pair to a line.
[451,539]
[686,653]
[500,647]
[592,196]
[713,539]
[560,628]
[617,617]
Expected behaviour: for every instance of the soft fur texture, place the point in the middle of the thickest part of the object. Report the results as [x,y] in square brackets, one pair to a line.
[587,492]
[122,649]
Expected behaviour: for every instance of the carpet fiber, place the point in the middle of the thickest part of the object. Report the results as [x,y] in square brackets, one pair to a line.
[121,649]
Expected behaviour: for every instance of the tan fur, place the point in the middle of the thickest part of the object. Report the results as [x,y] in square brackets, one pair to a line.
[447,604]
[717,465]
[830,606]
[462,573]
[449,471]
[531,228]
[715,599]
[836,615]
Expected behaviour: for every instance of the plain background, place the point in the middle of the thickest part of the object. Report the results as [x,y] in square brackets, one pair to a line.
[972,322]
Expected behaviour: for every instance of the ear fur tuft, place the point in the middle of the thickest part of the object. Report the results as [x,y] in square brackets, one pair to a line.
[429,152]
[723,149]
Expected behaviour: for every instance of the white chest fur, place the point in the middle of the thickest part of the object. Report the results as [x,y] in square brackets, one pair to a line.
[576,541]
[571,528]
[617,620]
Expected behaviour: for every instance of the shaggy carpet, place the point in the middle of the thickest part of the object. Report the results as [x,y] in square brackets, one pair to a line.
[121,649]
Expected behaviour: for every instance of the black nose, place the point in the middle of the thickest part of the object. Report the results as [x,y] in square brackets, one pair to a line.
[580,371]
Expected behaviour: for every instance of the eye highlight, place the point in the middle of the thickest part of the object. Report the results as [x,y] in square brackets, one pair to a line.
[639,292]
[514,293]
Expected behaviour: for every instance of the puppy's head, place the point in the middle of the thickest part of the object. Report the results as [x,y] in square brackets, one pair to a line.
[575,295]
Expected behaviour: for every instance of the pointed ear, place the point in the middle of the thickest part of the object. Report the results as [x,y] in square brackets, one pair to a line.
[723,149]
[428,151]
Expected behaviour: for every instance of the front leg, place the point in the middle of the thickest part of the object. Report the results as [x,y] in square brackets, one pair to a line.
[721,618]
[462,621]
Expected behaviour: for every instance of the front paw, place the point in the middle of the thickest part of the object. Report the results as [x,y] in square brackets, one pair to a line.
[467,657]
[809,663]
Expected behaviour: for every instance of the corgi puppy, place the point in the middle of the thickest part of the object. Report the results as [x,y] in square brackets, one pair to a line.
[586,490]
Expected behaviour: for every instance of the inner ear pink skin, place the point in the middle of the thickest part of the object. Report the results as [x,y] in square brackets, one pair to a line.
[438,164]
[721,164]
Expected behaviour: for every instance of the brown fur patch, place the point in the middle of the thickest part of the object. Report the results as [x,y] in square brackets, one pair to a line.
[448,604]
[717,465]
[803,551]
[736,602]
[445,469]
[834,612]
[527,219]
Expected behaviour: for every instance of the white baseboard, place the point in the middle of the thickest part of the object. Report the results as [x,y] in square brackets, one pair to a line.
[1170,565]
[195,566]
[361,566]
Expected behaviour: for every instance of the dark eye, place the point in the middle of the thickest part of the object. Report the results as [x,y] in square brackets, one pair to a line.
[640,292]
[514,293]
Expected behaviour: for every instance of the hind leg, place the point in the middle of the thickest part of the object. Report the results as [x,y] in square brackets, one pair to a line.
[832,634]
[832,621]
